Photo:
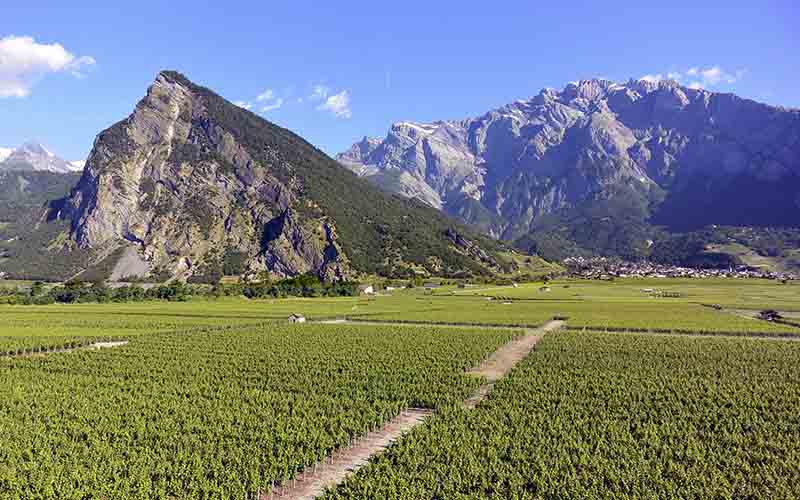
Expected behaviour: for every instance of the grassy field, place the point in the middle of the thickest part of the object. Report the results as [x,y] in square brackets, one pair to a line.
[591,415]
[617,305]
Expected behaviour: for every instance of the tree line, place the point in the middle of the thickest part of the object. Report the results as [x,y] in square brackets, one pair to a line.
[76,291]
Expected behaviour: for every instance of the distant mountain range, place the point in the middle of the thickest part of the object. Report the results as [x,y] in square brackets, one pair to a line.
[599,167]
[194,187]
[32,156]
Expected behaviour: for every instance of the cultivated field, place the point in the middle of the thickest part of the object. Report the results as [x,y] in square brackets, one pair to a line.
[223,399]
[217,413]
[591,415]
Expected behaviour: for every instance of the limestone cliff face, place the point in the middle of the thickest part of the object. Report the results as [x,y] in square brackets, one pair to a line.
[183,191]
[702,151]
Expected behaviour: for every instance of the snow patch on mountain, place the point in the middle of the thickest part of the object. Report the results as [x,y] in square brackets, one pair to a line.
[33,156]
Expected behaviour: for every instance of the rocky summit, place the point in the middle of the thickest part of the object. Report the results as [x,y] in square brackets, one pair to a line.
[33,157]
[689,157]
[190,185]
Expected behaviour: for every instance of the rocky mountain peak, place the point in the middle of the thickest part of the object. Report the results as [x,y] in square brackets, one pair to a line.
[649,139]
[190,184]
[33,156]
[589,90]
[361,149]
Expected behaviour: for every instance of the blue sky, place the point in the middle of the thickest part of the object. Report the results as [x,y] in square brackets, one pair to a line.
[336,71]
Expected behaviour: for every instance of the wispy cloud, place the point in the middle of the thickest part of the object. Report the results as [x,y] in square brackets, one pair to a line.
[699,78]
[652,78]
[265,96]
[320,96]
[319,92]
[267,101]
[338,104]
[276,104]
[23,62]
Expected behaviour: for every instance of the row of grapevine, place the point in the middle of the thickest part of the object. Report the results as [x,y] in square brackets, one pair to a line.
[593,415]
[213,413]
[24,346]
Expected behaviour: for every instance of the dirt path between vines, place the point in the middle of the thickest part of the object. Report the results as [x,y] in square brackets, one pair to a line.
[505,358]
[345,461]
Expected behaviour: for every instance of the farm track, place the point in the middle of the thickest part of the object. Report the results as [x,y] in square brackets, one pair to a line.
[505,358]
[345,461]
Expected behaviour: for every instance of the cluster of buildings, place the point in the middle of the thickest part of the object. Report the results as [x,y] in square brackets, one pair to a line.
[604,267]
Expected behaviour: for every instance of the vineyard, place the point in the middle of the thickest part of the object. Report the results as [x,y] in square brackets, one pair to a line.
[592,415]
[223,399]
[217,412]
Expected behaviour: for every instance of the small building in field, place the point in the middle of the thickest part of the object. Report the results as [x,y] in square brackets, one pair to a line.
[297,318]
[544,289]
[366,290]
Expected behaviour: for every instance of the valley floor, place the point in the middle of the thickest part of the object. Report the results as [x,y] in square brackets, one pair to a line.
[223,399]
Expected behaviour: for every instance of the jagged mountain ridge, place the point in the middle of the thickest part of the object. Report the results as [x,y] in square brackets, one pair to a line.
[190,181]
[689,156]
[34,157]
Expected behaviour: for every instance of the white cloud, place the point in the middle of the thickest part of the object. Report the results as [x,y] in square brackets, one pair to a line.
[23,62]
[267,95]
[712,76]
[652,78]
[319,93]
[268,101]
[338,104]
[273,106]
[243,104]
[700,77]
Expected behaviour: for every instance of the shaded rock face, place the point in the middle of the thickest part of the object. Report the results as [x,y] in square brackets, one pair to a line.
[179,188]
[696,150]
